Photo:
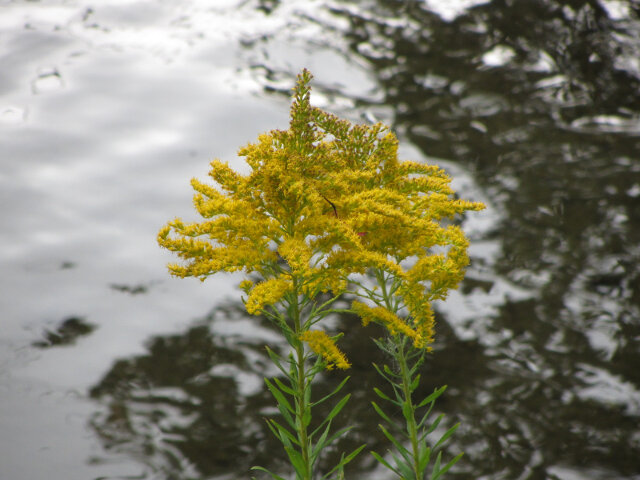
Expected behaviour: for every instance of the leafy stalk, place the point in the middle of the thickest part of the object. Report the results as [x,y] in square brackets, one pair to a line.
[325,201]
[412,461]
[293,396]
[303,410]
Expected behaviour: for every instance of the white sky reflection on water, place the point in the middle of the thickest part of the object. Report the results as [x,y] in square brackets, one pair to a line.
[106,127]
[449,10]
[105,115]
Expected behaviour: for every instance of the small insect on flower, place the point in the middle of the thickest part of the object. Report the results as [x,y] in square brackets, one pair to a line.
[335,213]
[335,210]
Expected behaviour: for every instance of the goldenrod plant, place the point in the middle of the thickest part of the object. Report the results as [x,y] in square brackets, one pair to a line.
[328,210]
[412,450]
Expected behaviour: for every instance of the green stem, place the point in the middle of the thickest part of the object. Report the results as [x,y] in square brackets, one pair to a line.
[410,417]
[400,354]
[301,404]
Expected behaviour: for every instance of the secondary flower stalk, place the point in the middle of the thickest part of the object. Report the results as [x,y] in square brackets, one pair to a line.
[327,203]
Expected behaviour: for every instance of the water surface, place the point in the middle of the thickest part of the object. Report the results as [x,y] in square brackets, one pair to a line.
[110,369]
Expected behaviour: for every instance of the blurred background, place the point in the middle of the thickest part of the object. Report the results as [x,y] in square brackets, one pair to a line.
[109,369]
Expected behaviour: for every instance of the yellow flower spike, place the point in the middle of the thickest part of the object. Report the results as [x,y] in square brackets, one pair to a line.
[297,254]
[326,201]
[389,320]
[332,199]
[423,323]
[246,286]
[324,346]
[225,176]
[267,293]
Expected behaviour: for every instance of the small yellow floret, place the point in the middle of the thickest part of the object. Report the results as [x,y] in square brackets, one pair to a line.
[267,293]
[327,200]
[297,254]
[390,321]
[323,345]
[246,285]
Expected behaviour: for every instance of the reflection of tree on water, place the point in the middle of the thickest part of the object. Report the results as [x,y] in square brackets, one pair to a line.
[542,385]
[550,129]
[518,404]
[194,405]
[66,333]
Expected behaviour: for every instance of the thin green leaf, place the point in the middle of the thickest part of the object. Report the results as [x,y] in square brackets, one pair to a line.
[306,418]
[284,388]
[289,419]
[336,390]
[320,310]
[318,367]
[337,435]
[407,411]
[273,475]
[385,463]
[344,460]
[273,429]
[280,398]
[399,394]
[446,436]
[435,424]
[296,461]
[385,397]
[423,457]
[380,412]
[353,454]
[406,472]
[388,371]
[447,467]
[286,415]
[417,360]
[383,375]
[415,383]
[289,335]
[320,444]
[382,345]
[335,410]
[285,436]
[307,393]
[402,450]
[424,418]
[435,473]
[432,398]
[275,358]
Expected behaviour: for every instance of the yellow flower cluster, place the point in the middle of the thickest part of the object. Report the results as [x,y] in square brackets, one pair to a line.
[324,346]
[421,333]
[326,199]
[268,292]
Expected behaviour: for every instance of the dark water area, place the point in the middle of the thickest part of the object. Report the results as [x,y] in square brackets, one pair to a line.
[534,107]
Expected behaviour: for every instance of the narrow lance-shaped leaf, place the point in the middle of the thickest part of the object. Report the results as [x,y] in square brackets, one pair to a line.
[385,463]
[402,450]
[381,413]
[405,468]
[273,475]
[335,390]
[447,467]
[286,437]
[446,436]
[433,396]
[344,460]
[385,397]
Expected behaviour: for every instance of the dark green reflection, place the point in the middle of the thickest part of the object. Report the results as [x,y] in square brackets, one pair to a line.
[540,100]
[551,134]
[65,333]
[171,410]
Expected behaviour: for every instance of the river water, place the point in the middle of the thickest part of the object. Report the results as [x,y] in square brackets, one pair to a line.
[109,369]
